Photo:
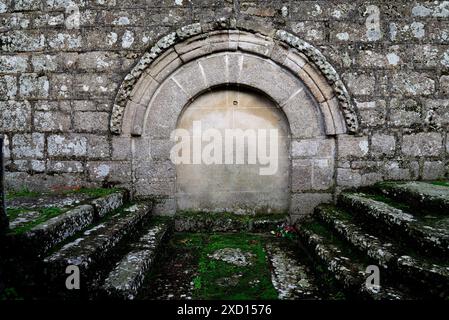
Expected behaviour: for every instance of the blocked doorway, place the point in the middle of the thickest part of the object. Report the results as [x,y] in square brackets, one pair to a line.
[240,162]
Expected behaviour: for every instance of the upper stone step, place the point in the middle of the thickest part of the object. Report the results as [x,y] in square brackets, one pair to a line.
[425,196]
[128,275]
[44,236]
[347,266]
[94,249]
[424,273]
[429,233]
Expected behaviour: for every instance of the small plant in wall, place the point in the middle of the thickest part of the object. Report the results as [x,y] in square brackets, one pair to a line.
[285,231]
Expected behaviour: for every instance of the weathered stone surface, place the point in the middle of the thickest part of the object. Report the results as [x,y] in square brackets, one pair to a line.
[349,177]
[8,86]
[44,63]
[91,121]
[108,204]
[18,40]
[291,278]
[423,144]
[423,233]
[52,232]
[15,116]
[303,204]
[313,148]
[127,277]
[422,195]
[347,268]
[383,145]
[218,222]
[234,256]
[96,244]
[52,121]
[419,270]
[13,64]
[413,84]
[111,171]
[56,79]
[352,147]
[65,166]
[59,145]
[34,86]
[98,146]
[405,112]
[28,145]
[360,84]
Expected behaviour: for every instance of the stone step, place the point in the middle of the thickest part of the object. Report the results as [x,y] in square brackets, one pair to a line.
[93,251]
[45,236]
[347,266]
[226,222]
[423,196]
[291,278]
[425,274]
[429,234]
[128,275]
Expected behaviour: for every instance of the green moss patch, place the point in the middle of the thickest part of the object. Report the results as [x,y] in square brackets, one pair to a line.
[47,206]
[381,198]
[188,269]
[24,193]
[95,192]
[220,280]
[44,215]
[91,192]
[441,183]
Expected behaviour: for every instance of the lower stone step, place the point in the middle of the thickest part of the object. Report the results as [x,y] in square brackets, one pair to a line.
[128,275]
[421,231]
[291,278]
[94,249]
[425,196]
[426,274]
[347,266]
[226,222]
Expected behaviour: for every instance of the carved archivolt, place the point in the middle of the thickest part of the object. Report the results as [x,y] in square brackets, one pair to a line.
[174,54]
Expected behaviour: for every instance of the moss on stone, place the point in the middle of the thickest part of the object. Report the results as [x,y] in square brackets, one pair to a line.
[23,193]
[230,215]
[91,192]
[441,183]
[217,279]
[44,215]
[241,283]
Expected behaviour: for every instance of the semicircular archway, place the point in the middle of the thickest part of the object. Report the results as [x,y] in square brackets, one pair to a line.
[187,64]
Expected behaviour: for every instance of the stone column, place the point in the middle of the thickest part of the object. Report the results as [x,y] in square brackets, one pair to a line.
[4,223]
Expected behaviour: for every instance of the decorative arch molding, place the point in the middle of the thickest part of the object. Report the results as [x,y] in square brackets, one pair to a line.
[198,44]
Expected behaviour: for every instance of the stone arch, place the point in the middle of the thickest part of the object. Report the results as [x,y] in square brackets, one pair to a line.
[196,59]
[194,42]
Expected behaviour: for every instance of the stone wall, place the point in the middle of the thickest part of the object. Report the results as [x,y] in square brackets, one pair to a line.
[59,77]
